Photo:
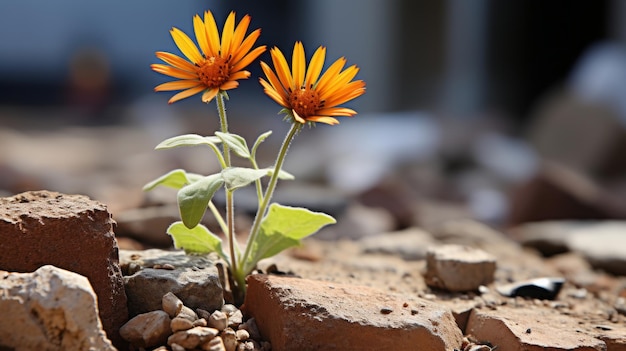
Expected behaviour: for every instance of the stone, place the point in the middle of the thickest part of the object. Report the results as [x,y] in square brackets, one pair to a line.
[188,314]
[358,221]
[193,337]
[218,320]
[410,243]
[148,224]
[180,323]
[49,309]
[298,314]
[71,232]
[193,279]
[602,243]
[251,327]
[547,237]
[215,344]
[171,304]
[557,192]
[529,329]
[458,268]
[147,329]
[229,338]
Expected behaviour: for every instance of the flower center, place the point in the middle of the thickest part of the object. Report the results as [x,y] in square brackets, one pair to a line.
[305,101]
[214,72]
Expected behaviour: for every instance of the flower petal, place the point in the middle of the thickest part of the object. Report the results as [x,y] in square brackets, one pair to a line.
[240,33]
[272,93]
[178,85]
[251,56]
[337,111]
[297,117]
[239,75]
[186,93]
[176,61]
[201,36]
[339,82]
[273,80]
[231,84]
[329,75]
[210,95]
[186,46]
[282,69]
[323,119]
[315,66]
[298,64]
[349,92]
[227,35]
[173,71]
[213,35]
[245,47]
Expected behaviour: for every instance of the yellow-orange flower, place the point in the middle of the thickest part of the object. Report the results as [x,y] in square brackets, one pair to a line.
[217,65]
[308,96]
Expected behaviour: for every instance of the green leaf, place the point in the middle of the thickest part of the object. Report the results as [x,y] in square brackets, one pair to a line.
[281,174]
[197,240]
[259,140]
[188,140]
[174,179]
[194,198]
[282,228]
[238,177]
[236,143]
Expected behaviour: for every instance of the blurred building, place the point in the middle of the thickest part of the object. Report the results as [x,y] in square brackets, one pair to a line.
[462,57]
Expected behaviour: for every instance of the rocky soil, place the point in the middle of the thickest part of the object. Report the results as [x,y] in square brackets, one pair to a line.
[436,254]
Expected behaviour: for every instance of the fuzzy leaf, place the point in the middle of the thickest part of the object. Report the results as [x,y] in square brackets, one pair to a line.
[238,177]
[194,198]
[236,143]
[281,174]
[197,240]
[282,228]
[188,140]
[174,179]
[259,140]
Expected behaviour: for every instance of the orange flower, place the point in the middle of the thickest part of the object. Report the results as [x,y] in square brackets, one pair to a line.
[216,66]
[307,96]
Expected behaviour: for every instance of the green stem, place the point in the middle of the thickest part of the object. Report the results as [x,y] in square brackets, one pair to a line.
[230,207]
[221,110]
[218,216]
[259,188]
[256,225]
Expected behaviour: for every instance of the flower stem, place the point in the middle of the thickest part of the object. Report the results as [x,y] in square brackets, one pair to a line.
[256,225]
[230,207]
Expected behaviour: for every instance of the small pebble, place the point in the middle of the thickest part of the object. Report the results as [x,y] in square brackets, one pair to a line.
[386,310]
[215,344]
[251,327]
[171,304]
[200,322]
[218,320]
[235,319]
[179,323]
[229,309]
[229,337]
[242,335]
[203,313]
[187,313]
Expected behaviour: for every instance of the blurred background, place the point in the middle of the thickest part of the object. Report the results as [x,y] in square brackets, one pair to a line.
[506,112]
